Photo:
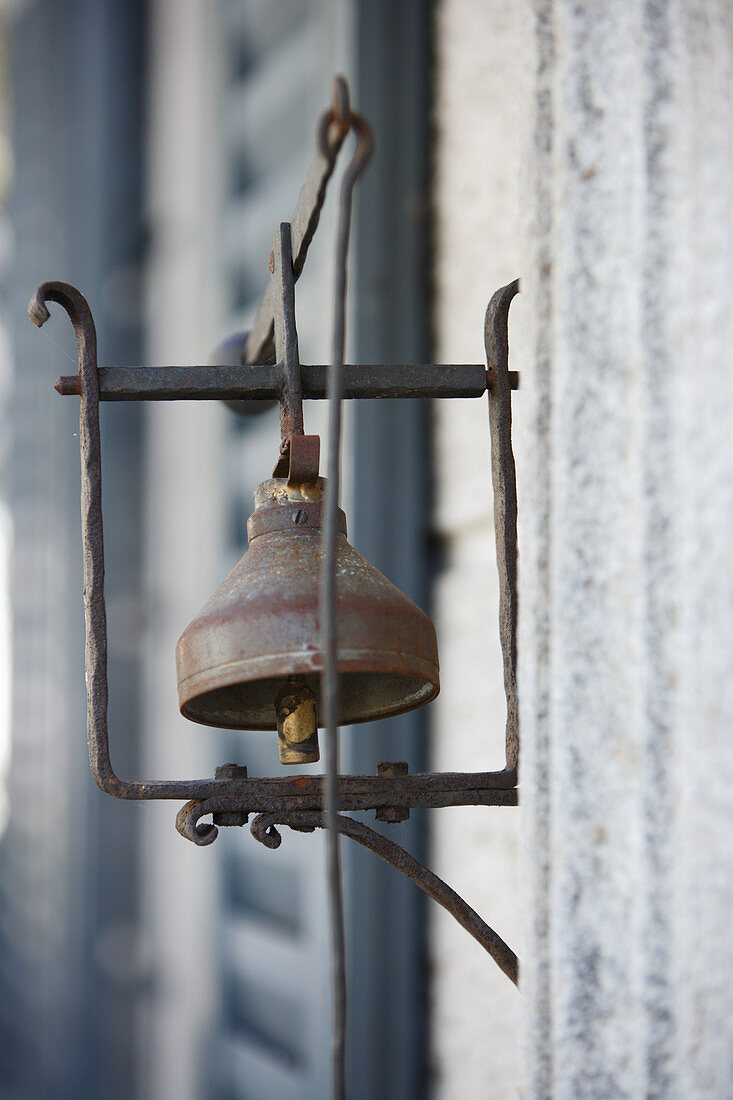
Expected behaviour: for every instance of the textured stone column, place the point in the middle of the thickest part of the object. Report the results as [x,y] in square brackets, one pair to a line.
[626,628]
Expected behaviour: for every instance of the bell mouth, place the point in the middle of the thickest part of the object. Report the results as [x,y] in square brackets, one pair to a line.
[262,627]
[249,704]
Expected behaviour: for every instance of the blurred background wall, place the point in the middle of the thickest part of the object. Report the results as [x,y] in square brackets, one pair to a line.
[152,148]
[474,1010]
[69,880]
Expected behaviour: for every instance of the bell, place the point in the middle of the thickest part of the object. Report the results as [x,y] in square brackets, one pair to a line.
[251,658]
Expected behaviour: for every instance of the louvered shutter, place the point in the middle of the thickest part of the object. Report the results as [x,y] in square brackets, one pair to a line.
[274,1032]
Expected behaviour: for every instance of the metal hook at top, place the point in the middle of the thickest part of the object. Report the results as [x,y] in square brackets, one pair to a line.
[340,115]
[341,99]
[335,123]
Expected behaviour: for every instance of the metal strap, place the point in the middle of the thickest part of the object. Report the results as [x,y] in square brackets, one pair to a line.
[303,224]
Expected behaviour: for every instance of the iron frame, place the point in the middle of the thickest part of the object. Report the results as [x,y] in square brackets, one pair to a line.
[278,795]
[300,801]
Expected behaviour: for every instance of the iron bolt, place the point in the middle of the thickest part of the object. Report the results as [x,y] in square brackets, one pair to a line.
[230,771]
[392,815]
[230,817]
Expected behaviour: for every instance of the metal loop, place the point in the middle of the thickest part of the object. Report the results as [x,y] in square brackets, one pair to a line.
[364,132]
[263,829]
[188,817]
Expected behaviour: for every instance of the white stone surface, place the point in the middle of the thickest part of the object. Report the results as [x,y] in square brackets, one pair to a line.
[474,1007]
[626,630]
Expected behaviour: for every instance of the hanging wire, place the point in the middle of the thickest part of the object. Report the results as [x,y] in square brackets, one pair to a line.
[341,114]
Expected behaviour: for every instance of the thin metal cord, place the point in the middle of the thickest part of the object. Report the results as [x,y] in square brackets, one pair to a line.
[330,679]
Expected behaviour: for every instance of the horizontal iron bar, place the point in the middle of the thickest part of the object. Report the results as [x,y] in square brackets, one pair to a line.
[356,792]
[265,382]
[264,800]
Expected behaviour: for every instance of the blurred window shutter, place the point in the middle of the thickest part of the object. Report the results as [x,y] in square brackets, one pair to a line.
[273,1032]
[273,1036]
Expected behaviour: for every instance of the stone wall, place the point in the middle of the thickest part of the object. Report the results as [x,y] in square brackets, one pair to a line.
[626,632]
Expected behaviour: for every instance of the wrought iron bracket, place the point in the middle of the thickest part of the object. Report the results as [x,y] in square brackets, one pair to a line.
[299,802]
[383,792]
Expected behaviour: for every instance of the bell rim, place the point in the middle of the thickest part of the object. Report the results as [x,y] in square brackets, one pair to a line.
[309,664]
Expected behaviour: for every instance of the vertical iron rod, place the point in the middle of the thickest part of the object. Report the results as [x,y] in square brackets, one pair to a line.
[504,480]
[286,334]
[330,678]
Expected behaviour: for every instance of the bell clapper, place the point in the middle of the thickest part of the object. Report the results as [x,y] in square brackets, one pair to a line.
[297,722]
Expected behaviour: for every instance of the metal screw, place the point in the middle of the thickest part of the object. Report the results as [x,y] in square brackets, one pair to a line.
[301,516]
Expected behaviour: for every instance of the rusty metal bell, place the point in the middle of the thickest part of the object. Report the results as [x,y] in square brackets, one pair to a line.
[251,658]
